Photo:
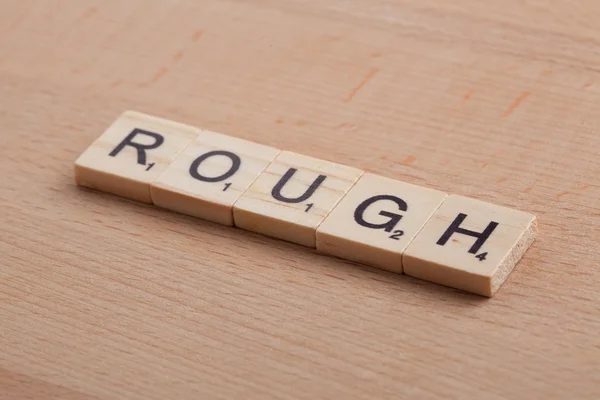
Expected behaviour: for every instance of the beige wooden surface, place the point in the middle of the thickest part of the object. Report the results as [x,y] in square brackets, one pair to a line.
[104,298]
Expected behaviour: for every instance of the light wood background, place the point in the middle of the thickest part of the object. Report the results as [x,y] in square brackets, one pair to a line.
[105,298]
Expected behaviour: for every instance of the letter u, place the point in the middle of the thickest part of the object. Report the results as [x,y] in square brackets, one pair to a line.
[276,192]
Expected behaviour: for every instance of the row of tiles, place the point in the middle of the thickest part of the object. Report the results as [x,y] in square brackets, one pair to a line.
[339,210]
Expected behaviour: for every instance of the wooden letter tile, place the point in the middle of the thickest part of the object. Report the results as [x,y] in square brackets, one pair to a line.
[292,197]
[208,177]
[376,220]
[131,153]
[470,245]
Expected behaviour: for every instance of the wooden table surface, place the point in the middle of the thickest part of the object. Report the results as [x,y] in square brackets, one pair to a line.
[105,298]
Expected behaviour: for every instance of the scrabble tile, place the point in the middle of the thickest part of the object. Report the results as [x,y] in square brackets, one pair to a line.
[374,223]
[292,197]
[470,245]
[207,178]
[131,153]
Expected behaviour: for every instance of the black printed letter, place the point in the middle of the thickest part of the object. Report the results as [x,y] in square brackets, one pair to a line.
[393,218]
[235,165]
[141,153]
[276,192]
[455,228]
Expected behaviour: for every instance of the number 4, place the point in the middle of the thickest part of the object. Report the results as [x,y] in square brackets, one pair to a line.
[481,256]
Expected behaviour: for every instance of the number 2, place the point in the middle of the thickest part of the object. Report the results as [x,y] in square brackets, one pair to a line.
[396,235]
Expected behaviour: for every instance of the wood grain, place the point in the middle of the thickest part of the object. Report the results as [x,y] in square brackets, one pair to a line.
[105,298]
